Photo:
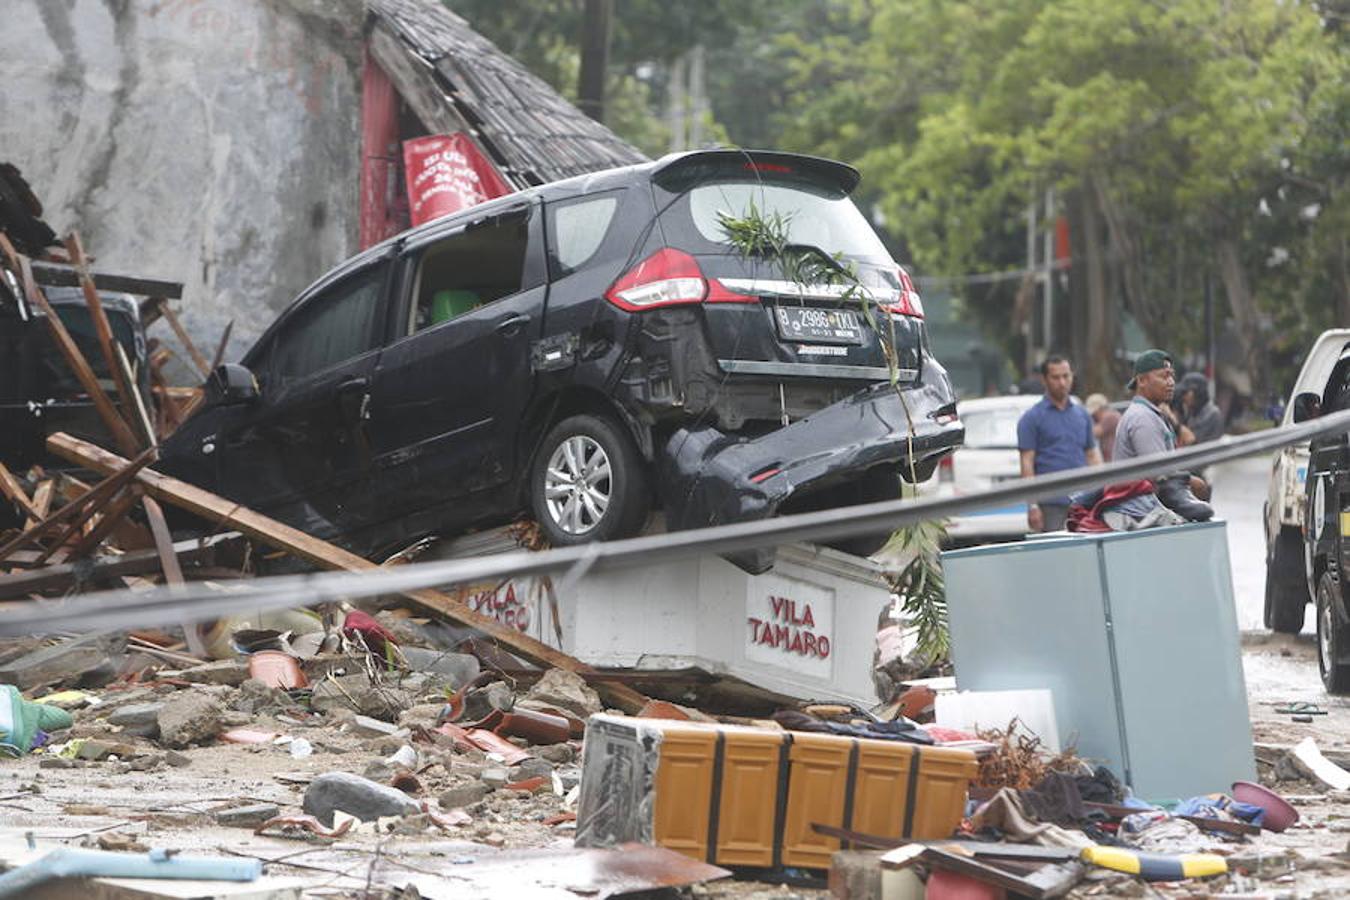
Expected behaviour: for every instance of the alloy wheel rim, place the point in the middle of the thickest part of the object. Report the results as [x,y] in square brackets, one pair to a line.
[578,484]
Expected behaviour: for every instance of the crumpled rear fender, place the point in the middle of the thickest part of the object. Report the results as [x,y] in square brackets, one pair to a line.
[712,478]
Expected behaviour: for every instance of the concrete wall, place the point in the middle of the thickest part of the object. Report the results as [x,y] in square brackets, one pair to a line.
[213,142]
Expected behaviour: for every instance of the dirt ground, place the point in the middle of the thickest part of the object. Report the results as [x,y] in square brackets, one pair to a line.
[150,800]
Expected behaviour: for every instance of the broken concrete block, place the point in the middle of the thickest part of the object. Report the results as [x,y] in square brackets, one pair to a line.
[365,726]
[93,659]
[141,719]
[96,750]
[231,672]
[530,768]
[423,714]
[478,703]
[359,694]
[456,669]
[355,796]
[855,875]
[464,795]
[189,718]
[496,777]
[567,691]
[558,754]
[247,816]
[177,760]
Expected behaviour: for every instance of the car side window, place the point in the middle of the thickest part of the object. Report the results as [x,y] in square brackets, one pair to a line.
[577,228]
[471,268]
[336,325]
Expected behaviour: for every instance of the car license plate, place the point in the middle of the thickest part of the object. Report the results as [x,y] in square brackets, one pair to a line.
[824,326]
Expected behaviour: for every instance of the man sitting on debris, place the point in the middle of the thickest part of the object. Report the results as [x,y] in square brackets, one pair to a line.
[1145,429]
[1052,436]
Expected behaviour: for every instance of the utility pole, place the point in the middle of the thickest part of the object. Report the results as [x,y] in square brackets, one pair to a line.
[1048,288]
[676,100]
[594,58]
[1028,329]
[698,96]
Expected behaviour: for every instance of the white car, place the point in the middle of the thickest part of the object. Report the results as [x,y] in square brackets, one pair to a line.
[1287,593]
[987,459]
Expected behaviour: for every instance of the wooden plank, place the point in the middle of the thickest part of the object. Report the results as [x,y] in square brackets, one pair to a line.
[218,510]
[197,359]
[141,415]
[1055,885]
[104,489]
[220,348]
[10,488]
[116,510]
[102,328]
[173,572]
[62,276]
[42,497]
[66,344]
[138,562]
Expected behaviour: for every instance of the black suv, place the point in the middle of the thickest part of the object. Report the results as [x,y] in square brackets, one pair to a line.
[585,350]
[1326,530]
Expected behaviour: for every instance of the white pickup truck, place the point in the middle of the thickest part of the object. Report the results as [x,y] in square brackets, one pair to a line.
[1287,594]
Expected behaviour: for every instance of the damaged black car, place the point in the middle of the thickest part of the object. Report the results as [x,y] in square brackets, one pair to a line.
[588,352]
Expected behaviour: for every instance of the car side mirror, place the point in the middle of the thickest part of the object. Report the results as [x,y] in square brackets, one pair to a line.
[1307,406]
[231,383]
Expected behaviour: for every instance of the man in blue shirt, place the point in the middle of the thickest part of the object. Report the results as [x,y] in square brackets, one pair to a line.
[1054,435]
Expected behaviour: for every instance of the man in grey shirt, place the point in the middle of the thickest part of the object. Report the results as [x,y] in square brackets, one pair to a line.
[1144,429]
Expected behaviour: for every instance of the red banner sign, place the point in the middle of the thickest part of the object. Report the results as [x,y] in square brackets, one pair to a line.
[447,173]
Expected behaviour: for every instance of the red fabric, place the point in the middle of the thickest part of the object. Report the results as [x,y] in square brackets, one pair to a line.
[377,638]
[380,218]
[1089,521]
[447,173]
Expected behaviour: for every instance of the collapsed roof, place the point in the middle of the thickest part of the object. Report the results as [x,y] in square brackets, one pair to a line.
[455,79]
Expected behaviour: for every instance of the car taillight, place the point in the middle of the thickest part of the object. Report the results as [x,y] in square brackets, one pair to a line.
[908,302]
[667,278]
[946,470]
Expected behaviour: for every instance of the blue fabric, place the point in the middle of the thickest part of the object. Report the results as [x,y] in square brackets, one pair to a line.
[1208,807]
[1060,437]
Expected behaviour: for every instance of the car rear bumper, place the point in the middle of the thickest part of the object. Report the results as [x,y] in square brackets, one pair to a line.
[713,478]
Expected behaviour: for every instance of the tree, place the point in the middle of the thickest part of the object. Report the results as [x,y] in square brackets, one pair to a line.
[1164,124]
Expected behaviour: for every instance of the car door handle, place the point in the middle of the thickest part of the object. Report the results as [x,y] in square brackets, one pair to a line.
[510,327]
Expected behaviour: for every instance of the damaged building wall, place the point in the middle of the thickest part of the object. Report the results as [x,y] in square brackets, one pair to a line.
[212,142]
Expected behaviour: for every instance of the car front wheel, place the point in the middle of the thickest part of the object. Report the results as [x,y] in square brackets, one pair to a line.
[1331,638]
[588,482]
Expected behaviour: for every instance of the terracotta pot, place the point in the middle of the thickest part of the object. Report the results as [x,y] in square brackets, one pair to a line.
[276,669]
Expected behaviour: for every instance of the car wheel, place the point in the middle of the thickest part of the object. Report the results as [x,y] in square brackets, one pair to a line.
[1331,638]
[588,482]
[1286,589]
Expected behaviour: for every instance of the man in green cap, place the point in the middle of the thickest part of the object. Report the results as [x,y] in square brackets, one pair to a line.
[1145,429]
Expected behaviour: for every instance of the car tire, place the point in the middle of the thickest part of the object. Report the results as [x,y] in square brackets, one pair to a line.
[1331,638]
[1286,590]
[588,482]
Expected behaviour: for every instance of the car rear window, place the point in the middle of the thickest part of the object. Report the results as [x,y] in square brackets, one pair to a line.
[824,219]
[992,429]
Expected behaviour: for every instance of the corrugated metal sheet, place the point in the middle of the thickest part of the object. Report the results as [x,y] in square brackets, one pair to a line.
[526,128]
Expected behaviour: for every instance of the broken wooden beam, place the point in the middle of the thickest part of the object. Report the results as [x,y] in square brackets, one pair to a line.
[63,276]
[102,328]
[62,576]
[14,492]
[218,510]
[198,360]
[97,495]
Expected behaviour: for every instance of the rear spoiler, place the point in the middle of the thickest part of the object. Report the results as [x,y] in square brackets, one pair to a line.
[679,172]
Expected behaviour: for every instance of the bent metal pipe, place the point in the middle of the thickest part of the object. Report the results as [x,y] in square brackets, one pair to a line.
[194,602]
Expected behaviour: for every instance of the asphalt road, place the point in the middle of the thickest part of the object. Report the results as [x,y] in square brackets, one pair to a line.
[1239,494]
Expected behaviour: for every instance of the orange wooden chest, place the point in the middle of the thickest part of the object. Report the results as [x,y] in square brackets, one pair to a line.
[738,796]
